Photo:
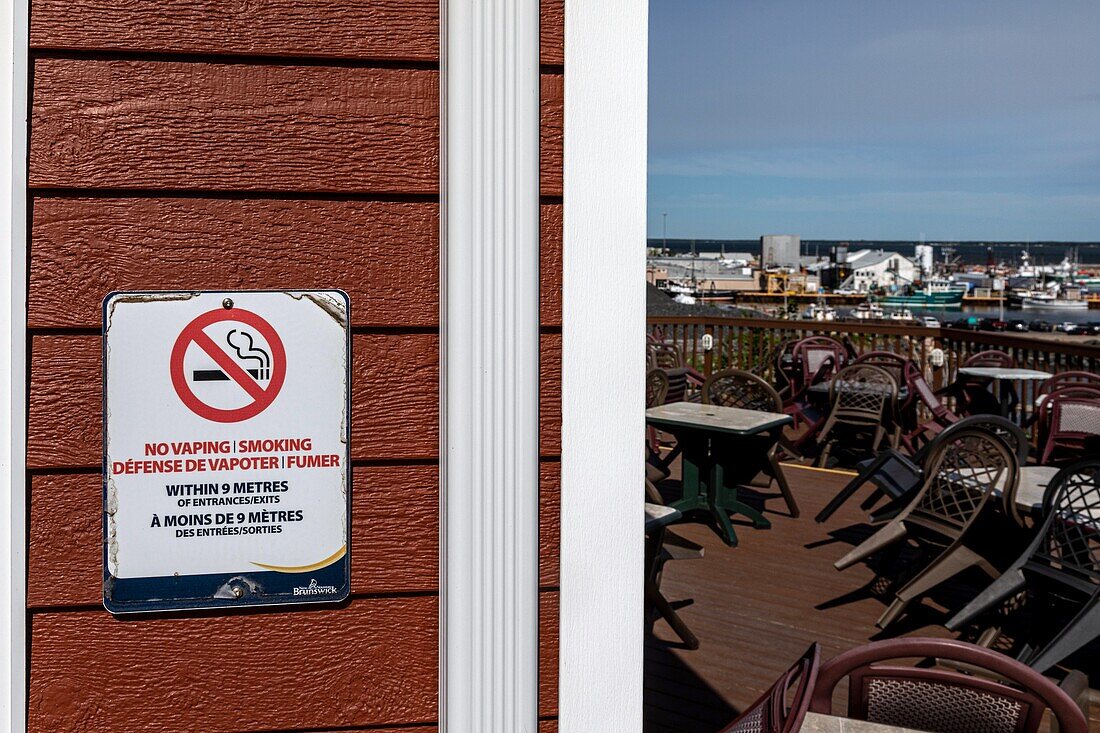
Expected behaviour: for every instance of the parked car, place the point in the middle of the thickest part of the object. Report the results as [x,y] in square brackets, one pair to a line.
[1041,325]
[930,322]
[1066,327]
[992,324]
[1017,325]
[1092,328]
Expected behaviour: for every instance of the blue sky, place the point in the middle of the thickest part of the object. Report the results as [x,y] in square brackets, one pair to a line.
[875,119]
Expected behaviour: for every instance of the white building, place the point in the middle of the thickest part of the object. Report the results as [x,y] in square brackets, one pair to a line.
[874,268]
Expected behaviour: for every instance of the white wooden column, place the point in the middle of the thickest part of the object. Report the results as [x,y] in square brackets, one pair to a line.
[13,354]
[490,339]
[603,366]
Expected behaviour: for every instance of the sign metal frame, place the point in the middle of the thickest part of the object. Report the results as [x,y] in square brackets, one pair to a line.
[238,590]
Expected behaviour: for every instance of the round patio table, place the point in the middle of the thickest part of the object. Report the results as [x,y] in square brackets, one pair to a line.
[1002,374]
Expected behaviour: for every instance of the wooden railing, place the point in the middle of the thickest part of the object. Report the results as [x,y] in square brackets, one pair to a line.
[747,343]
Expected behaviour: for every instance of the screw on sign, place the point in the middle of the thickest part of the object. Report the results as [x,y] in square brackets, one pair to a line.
[261,382]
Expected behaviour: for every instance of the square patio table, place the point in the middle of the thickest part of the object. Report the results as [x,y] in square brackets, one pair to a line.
[710,437]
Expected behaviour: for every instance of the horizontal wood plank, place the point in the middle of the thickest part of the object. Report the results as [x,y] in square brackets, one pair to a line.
[551,138]
[395,533]
[394,391]
[550,272]
[156,125]
[395,399]
[371,662]
[550,355]
[392,30]
[384,254]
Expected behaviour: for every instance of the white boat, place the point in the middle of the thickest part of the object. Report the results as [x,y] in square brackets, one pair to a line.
[903,314]
[1047,301]
[869,312]
[819,312]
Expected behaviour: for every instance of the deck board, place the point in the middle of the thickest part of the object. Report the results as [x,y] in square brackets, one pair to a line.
[755,608]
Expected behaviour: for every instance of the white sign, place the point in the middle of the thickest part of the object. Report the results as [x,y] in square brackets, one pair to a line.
[226,441]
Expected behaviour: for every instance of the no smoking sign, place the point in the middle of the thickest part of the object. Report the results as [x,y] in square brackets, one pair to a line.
[249,364]
[226,444]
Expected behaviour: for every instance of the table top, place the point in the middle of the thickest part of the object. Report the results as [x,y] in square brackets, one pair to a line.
[1004,373]
[726,420]
[819,723]
[823,388]
[658,515]
[1032,485]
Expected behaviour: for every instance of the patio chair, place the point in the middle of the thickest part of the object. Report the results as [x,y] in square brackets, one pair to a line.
[658,517]
[783,707]
[902,369]
[1084,381]
[656,387]
[1007,697]
[948,518]
[664,356]
[897,475]
[1068,418]
[738,388]
[941,416]
[862,399]
[1062,561]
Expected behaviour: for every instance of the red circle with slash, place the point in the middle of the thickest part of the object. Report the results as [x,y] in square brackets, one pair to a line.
[261,397]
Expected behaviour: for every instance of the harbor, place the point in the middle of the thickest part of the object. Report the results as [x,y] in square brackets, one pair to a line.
[938,283]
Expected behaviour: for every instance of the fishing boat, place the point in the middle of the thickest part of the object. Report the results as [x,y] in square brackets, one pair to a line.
[1049,301]
[935,293]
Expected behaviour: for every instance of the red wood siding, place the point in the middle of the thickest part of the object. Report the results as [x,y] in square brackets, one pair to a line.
[292,143]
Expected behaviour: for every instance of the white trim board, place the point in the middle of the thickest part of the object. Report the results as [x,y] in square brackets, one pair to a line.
[603,366]
[13,345]
[489,346]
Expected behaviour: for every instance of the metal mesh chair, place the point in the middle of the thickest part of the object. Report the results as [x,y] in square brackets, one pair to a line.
[738,388]
[1063,561]
[942,700]
[861,398]
[1084,381]
[1068,417]
[897,476]
[948,517]
[783,707]
[990,358]
[656,387]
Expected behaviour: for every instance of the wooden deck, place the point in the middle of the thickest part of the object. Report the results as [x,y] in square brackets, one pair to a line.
[756,607]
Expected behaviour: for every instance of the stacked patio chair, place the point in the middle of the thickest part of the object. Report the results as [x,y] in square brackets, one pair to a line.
[656,387]
[955,518]
[862,400]
[1062,564]
[683,381]
[1003,697]
[903,370]
[813,360]
[783,707]
[897,476]
[1061,380]
[1068,420]
[737,388]
[941,417]
[972,394]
